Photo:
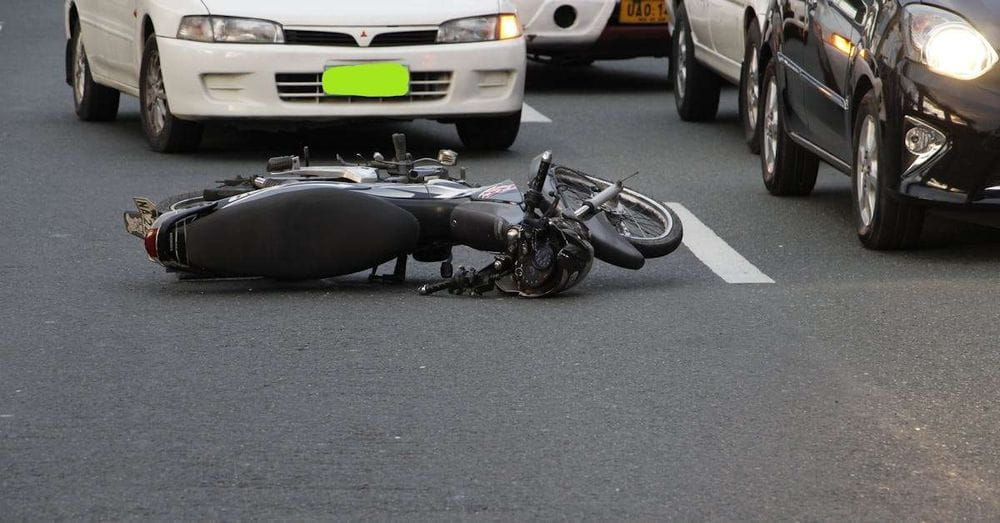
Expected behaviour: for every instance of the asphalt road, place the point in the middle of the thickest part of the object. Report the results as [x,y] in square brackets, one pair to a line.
[859,385]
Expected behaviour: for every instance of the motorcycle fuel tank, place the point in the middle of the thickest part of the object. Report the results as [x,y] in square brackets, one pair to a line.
[301,231]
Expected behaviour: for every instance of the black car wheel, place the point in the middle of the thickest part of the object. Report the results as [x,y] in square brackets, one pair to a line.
[883,222]
[165,132]
[750,89]
[788,169]
[93,102]
[493,133]
[696,88]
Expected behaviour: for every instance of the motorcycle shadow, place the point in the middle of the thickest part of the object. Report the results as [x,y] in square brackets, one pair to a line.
[358,286]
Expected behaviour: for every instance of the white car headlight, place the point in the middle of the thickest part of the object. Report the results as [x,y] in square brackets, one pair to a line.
[479,29]
[947,43]
[226,29]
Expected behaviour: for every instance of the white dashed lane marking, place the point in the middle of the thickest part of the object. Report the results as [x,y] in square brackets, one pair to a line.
[714,252]
[531,115]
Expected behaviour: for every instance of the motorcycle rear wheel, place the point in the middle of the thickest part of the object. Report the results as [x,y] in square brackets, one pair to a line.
[651,227]
[182,201]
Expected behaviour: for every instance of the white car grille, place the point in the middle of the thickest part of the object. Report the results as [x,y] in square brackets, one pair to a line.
[308,88]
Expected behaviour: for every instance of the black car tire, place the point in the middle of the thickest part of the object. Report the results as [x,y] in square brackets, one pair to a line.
[794,169]
[750,89]
[172,135]
[92,102]
[884,222]
[495,133]
[696,88]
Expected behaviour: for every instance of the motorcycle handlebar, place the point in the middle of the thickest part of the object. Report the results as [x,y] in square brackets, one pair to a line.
[538,181]
[593,205]
[431,288]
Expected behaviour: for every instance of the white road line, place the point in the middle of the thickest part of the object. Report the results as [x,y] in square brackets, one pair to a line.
[531,115]
[714,252]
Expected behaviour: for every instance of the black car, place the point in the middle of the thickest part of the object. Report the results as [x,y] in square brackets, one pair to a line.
[903,95]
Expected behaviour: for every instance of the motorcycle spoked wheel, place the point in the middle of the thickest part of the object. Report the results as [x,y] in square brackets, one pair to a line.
[651,227]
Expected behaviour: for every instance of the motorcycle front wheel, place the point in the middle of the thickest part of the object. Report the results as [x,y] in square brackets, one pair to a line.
[651,227]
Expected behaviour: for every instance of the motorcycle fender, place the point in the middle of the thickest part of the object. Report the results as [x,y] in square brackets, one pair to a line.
[610,246]
[300,231]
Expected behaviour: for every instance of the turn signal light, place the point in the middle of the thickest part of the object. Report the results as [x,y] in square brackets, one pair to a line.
[842,44]
[509,27]
[150,243]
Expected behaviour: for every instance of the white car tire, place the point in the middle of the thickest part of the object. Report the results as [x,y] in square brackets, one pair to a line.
[494,133]
[165,132]
[696,88]
[92,102]
[750,88]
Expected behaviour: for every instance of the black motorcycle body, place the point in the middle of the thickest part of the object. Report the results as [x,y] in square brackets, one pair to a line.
[301,222]
[320,229]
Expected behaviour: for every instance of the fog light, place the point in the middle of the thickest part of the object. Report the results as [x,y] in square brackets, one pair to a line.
[923,142]
[565,16]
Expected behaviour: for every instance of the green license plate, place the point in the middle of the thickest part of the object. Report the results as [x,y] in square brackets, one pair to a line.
[376,80]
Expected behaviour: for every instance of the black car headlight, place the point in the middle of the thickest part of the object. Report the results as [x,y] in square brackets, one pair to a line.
[947,43]
[230,30]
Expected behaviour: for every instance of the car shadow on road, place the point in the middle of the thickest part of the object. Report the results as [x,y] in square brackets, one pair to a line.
[601,78]
[945,238]
[239,141]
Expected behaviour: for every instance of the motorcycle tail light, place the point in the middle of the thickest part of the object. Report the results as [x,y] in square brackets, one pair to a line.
[150,243]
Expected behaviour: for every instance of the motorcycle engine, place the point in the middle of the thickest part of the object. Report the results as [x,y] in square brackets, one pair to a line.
[548,259]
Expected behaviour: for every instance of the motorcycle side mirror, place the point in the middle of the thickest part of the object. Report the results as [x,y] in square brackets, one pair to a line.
[447,157]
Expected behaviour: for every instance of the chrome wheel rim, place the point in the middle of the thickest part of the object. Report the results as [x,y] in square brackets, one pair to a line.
[79,70]
[866,176]
[752,92]
[682,71]
[155,103]
[771,116]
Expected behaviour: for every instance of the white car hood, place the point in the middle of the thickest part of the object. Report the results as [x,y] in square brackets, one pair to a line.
[376,13]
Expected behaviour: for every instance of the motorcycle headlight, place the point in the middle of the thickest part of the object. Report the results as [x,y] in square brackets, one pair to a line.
[947,43]
[479,29]
[224,29]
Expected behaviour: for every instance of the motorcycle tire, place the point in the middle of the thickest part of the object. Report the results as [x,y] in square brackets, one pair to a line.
[651,227]
[182,201]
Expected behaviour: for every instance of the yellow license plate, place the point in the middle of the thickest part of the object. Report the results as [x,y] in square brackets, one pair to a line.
[643,12]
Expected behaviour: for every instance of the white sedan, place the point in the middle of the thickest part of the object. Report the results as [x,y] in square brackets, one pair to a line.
[190,61]
[718,41]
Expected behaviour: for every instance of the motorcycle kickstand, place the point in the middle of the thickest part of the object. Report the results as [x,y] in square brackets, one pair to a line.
[398,273]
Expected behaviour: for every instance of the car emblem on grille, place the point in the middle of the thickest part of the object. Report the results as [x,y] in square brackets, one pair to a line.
[363,38]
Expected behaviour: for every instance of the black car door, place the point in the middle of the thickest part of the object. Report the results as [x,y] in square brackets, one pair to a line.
[792,33]
[835,31]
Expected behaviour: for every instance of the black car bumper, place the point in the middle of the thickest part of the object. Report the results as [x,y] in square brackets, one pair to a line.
[966,169]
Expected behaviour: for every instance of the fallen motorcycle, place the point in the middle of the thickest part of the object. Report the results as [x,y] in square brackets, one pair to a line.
[299,221]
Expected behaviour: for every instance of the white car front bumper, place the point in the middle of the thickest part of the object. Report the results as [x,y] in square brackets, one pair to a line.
[209,81]
[540,26]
